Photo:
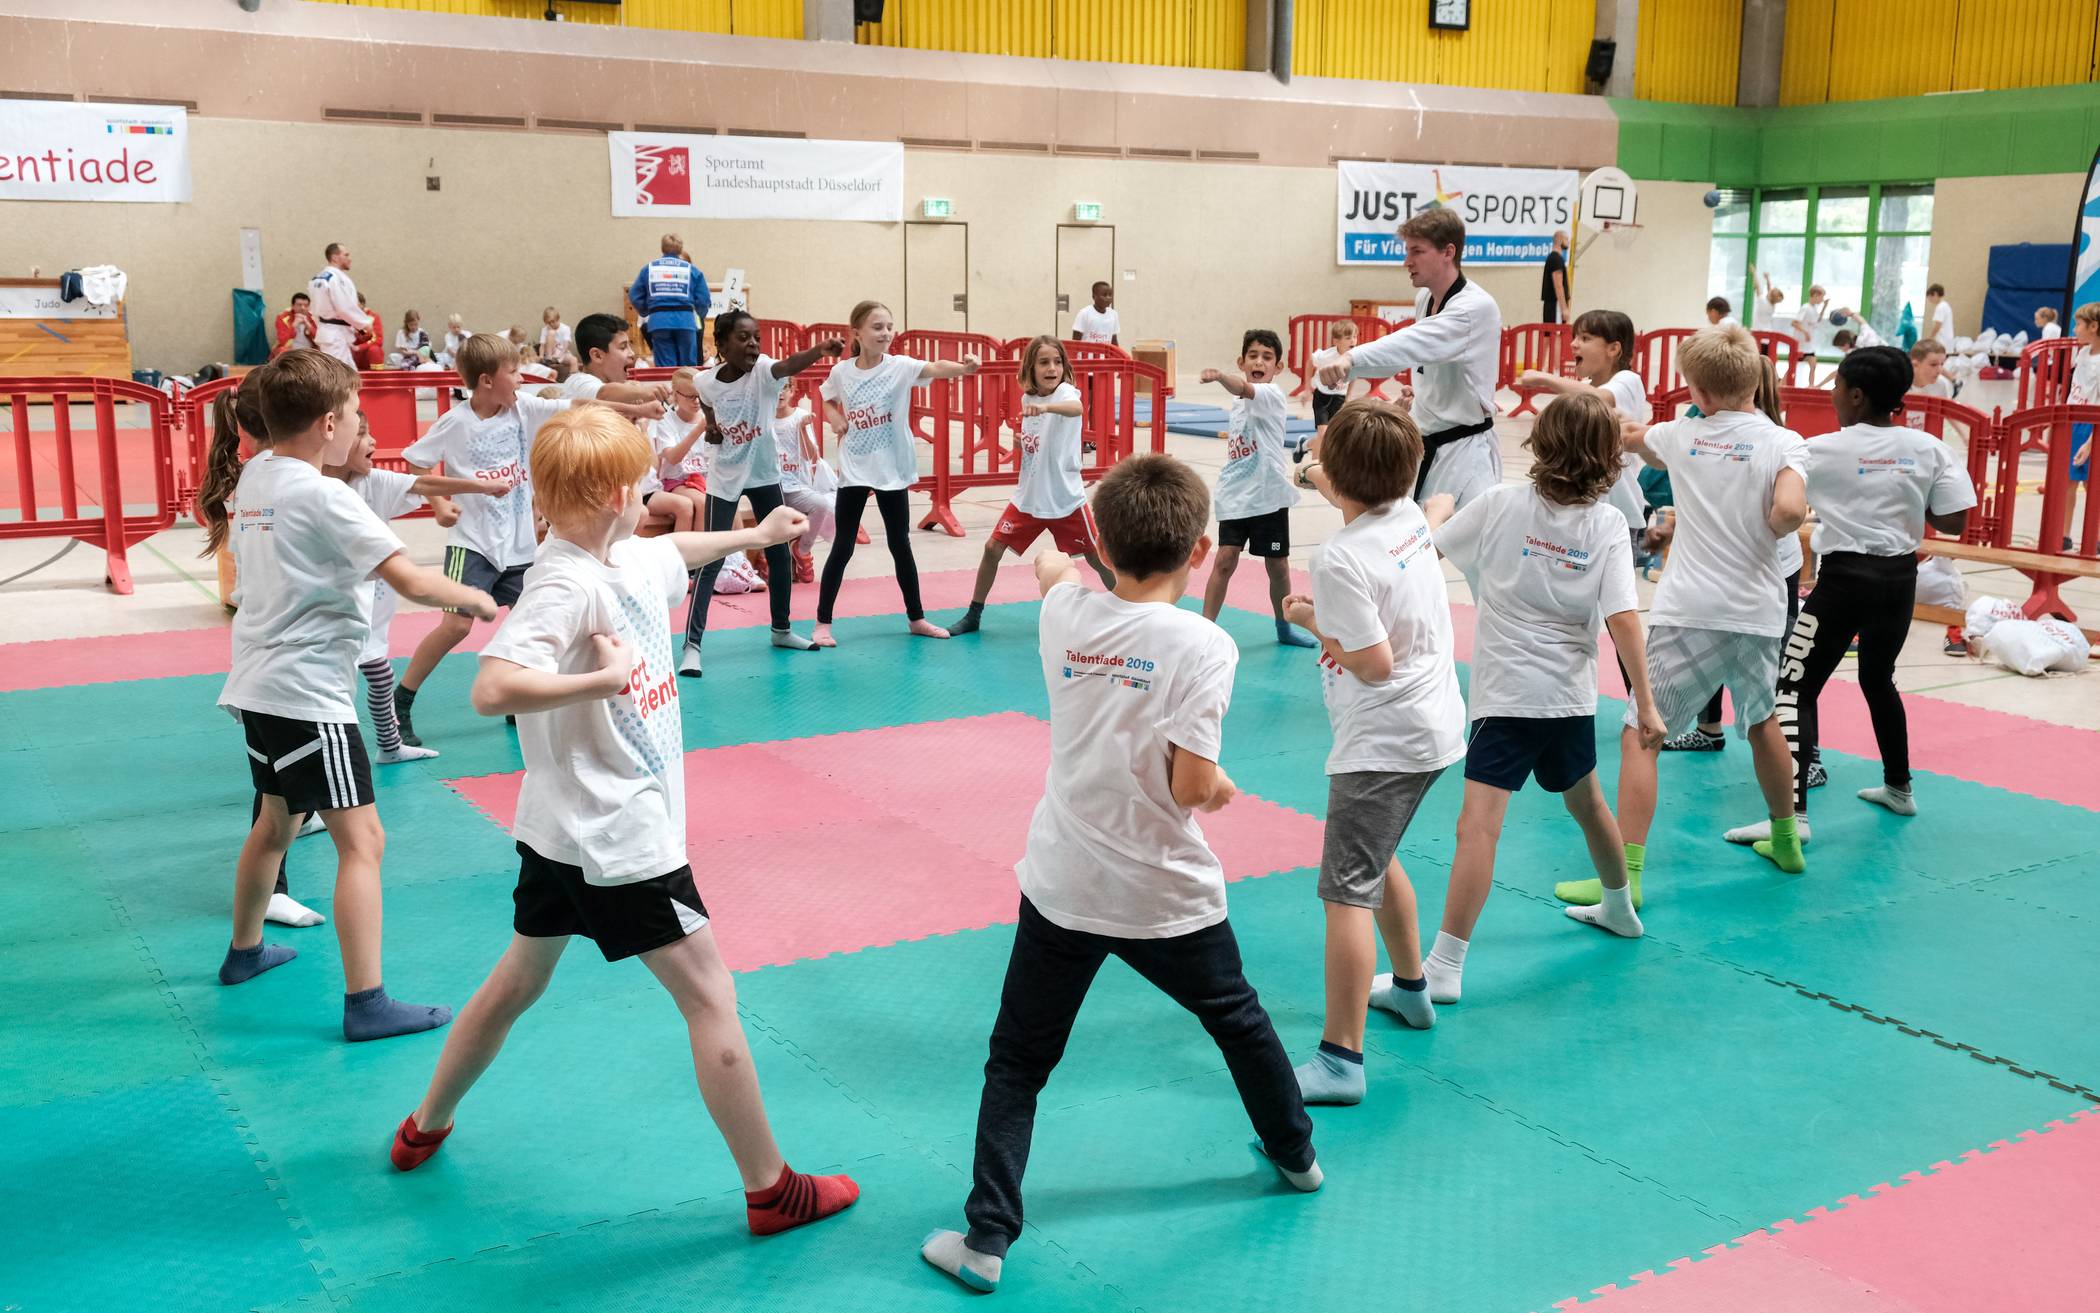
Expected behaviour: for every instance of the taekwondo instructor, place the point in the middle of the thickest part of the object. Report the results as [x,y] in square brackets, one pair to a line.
[335,306]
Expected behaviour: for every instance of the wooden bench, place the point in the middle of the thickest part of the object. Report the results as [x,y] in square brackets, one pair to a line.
[2045,569]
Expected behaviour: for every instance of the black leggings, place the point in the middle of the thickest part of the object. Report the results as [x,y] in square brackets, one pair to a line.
[895,506]
[1868,597]
[721,516]
[1712,714]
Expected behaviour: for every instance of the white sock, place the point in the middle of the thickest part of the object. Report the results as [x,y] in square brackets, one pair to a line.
[406,752]
[1412,1006]
[689,660]
[1761,831]
[1443,966]
[1615,913]
[313,824]
[791,640]
[1896,800]
[948,1251]
[286,910]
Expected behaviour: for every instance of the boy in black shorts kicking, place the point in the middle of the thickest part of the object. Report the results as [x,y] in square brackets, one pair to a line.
[1255,490]
[585,663]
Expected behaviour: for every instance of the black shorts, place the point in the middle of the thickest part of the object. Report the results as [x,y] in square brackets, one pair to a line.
[464,565]
[1325,404]
[1260,535]
[314,767]
[553,899]
[1507,750]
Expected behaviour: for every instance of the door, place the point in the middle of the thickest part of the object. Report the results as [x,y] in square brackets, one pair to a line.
[1086,254]
[936,276]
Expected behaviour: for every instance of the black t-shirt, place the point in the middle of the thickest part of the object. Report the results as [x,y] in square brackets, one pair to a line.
[1555,262]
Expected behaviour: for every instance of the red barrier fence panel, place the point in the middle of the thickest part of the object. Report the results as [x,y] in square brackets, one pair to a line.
[1808,411]
[1655,360]
[1310,333]
[1786,355]
[1545,347]
[2044,375]
[112,487]
[780,338]
[812,334]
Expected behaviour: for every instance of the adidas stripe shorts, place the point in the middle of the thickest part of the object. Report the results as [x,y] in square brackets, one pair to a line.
[314,767]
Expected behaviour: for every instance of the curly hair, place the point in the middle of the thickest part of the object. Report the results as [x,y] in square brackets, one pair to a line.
[1574,449]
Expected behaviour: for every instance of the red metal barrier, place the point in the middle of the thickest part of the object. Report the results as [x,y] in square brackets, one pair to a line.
[1548,347]
[89,475]
[780,338]
[2044,376]
[1655,360]
[1809,411]
[1311,333]
[812,334]
[1110,390]
[1785,354]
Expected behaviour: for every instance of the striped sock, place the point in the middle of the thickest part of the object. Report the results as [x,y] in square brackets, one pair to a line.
[379,700]
[795,1200]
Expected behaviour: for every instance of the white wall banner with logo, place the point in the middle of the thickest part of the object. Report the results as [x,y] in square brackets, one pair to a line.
[56,150]
[673,174]
[1511,214]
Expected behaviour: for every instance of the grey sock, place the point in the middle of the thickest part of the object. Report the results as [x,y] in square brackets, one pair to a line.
[1407,1000]
[1331,1075]
[248,963]
[791,640]
[370,1014]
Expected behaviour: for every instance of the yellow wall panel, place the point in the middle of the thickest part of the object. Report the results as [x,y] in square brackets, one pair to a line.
[775,18]
[1689,50]
[1883,48]
[1217,34]
[1871,49]
[1513,45]
[1804,70]
[2042,43]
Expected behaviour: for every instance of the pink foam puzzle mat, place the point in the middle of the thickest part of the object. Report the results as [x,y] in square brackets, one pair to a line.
[839,842]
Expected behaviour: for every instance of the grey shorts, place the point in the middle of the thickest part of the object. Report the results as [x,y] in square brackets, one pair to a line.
[1367,815]
[1685,666]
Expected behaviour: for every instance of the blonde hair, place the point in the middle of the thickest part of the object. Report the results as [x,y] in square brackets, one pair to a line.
[2089,313]
[582,458]
[483,355]
[1340,329]
[1720,361]
[2045,314]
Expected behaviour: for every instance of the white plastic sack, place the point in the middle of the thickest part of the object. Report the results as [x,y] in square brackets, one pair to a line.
[1987,611]
[822,478]
[1940,584]
[2035,647]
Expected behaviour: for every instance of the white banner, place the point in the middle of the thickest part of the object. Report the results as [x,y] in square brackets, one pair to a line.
[755,177]
[41,302]
[1511,214]
[56,150]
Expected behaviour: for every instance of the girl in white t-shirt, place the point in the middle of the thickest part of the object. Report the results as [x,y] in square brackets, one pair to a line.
[1547,563]
[868,400]
[1052,494]
[411,344]
[674,491]
[1603,342]
[802,469]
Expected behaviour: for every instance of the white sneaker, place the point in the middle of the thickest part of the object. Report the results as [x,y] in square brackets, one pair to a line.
[405,752]
[1762,831]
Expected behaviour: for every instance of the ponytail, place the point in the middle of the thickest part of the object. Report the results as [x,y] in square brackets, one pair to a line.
[235,414]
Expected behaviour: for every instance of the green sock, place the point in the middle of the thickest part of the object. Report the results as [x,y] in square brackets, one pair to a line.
[1589,893]
[1784,847]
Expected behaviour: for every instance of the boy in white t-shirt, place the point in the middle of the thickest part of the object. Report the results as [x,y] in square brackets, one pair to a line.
[1737,480]
[1547,563]
[306,548]
[494,540]
[1099,321]
[1764,300]
[1115,864]
[1939,316]
[1928,368]
[1328,398]
[2084,391]
[1383,619]
[604,353]
[1051,495]
[584,662]
[1255,489]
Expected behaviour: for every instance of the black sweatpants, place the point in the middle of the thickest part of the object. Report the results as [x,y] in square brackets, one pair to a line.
[895,506]
[1047,979]
[780,570]
[1863,597]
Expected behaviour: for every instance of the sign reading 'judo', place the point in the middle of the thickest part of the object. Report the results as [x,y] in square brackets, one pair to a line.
[1511,214]
[671,174]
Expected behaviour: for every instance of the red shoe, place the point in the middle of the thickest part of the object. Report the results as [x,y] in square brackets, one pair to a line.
[413,1148]
[805,568]
[797,1200]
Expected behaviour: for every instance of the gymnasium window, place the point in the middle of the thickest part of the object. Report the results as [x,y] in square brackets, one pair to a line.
[1868,247]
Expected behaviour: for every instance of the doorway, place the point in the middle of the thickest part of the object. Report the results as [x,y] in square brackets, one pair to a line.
[1086,254]
[936,276]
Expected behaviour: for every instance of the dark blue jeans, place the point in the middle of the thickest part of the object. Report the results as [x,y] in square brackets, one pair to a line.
[672,347]
[1047,979]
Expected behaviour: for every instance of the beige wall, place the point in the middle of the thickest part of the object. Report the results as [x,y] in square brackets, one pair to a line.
[1657,272]
[524,220]
[1971,215]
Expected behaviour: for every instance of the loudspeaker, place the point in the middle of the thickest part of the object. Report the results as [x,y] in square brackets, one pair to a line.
[867,11]
[1602,51]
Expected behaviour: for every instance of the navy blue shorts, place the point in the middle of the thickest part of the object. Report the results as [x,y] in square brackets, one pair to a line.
[1507,750]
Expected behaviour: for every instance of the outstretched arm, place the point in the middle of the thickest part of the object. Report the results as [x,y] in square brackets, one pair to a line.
[802,360]
[1228,380]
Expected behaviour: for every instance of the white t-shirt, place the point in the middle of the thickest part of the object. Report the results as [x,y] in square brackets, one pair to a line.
[2085,378]
[1942,386]
[500,447]
[1544,577]
[304,546]
[1760,315]
[1050,452]
[1724,565]
[1109,850]
[1097,325]
[559,340]
[604,779]
[582,386]
[1807,319]
[1871,486]
[787,445]
[1257,475]
[391,495]
[1378,578]
[1630,399]
[1322,358]
[878,450]
[667,431]
[2051,331]
[1943,324]
[743,411]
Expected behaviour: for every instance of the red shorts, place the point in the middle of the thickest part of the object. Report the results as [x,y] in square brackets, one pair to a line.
[1073,534]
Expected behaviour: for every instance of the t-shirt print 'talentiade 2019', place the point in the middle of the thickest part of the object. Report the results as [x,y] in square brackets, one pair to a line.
[1124,671]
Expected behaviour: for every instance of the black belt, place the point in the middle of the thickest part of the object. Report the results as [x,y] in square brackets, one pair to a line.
[1432,443]
[339,323]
